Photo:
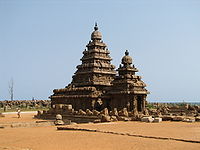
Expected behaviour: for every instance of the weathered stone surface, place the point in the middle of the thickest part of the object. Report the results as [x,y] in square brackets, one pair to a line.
[167,118]
[75,113]
[58,106]
[67,109]
[97,121]
[105,118]
[134,118]
[58,117]
[178,118]
[123,112]
[131,114]
[59,122]
[96,113]
[123,118]
[88,112]
[183,114]
[139,117]
[189,120]
[146,112]
[114,118]
[81,112]
[114,112]
[157,120]
[105,111]
[147,119]
[197,118]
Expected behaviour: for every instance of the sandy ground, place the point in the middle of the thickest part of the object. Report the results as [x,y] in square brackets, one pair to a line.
[48,138]
[12,117]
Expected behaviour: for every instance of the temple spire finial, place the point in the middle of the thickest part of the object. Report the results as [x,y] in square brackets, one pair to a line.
[96,27]
[126,53]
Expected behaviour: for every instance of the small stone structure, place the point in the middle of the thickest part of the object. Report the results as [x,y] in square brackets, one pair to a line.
[147,119]
[158,120]
[59,120]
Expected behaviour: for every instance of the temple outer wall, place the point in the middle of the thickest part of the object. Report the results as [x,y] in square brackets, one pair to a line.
[129,101]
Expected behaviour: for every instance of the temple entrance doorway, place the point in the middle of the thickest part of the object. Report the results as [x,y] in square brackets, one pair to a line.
[139,103]
[107,104]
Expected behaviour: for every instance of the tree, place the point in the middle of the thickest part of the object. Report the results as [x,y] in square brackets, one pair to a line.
[11,89]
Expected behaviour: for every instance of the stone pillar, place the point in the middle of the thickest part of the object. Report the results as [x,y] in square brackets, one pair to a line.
[143,102]
[135,103]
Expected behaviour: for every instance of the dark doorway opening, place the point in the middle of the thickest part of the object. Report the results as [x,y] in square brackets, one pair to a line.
[107,104]
[139,103]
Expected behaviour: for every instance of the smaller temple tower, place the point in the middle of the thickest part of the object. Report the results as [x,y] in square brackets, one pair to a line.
[128,90]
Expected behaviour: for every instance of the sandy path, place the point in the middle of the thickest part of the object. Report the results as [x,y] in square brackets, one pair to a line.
[48,138]
[165,129]
[12,117]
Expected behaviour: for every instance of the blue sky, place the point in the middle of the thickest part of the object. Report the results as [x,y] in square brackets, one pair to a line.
[41,43]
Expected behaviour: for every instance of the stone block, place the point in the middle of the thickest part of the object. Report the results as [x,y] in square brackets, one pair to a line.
[69,107]
[58,106]
[66,121]
[81,112]
[97,121]
[131,114]
[134,118]
[59,122]
[197,118]
[167,118]
[157,120]
[39,112]
[105,118]
[178,118]
[147,119]
[186,120]
[123,118]
[114,112]
[58,117]
[114,118]
[75,113]
[88,112]
[123,112]
[105,111]
[96,113]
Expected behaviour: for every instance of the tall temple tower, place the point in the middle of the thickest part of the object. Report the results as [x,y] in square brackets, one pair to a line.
[96,69]
[92,77]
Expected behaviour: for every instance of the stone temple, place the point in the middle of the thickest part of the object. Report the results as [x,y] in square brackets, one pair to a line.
[97,85]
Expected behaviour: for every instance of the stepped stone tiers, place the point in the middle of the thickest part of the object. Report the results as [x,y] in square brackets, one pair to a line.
[128,90]
[96,85]
[91,78]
